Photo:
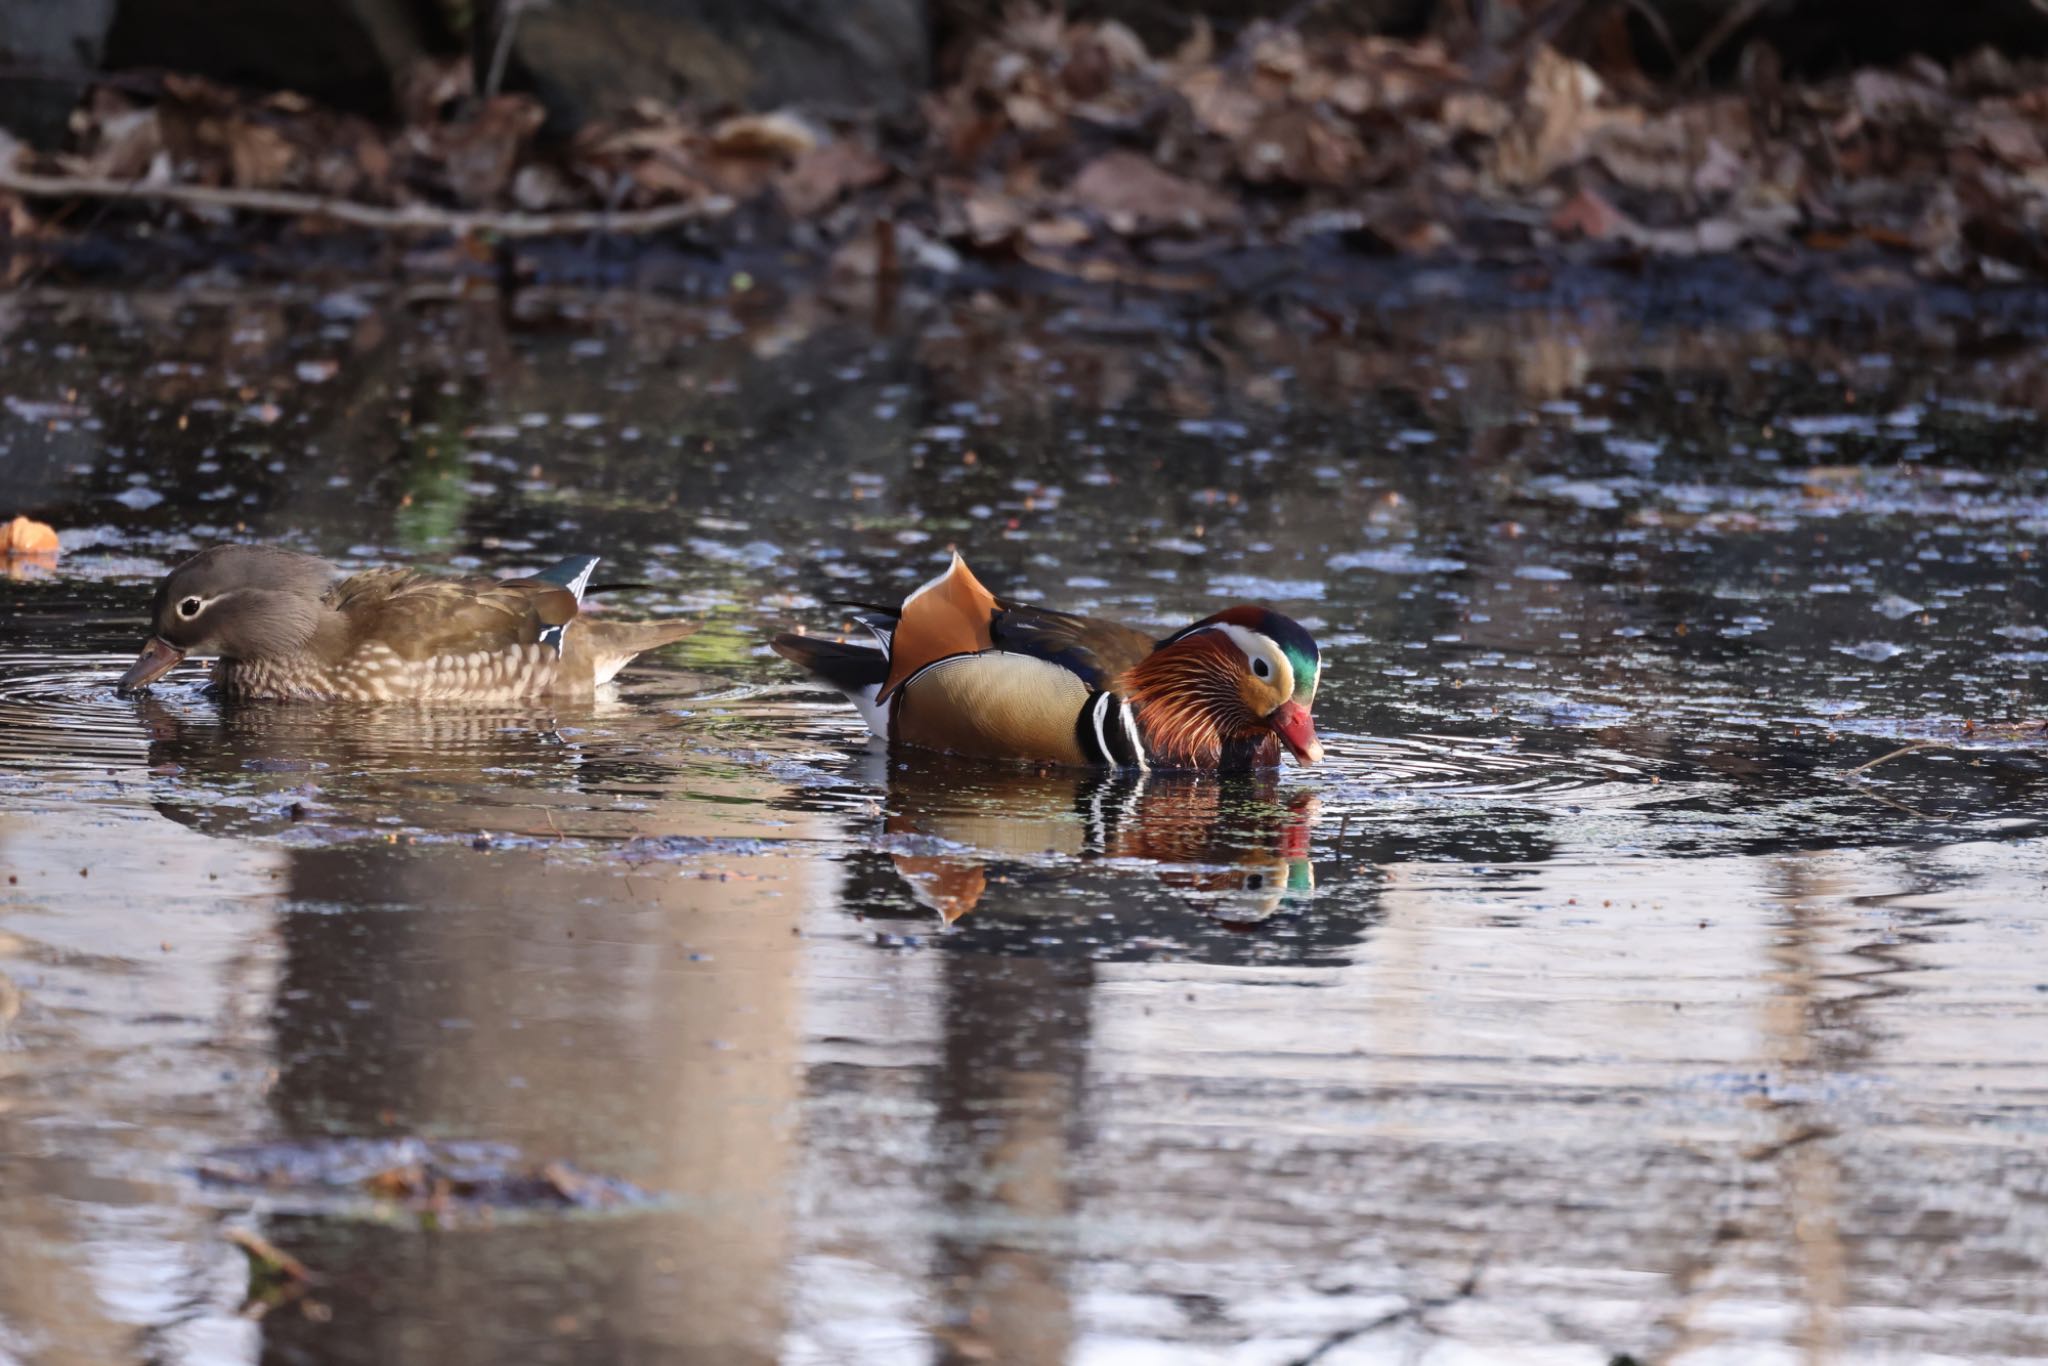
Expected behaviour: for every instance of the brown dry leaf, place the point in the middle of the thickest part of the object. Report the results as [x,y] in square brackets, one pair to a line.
[480,155]
[1057,234]
[823,174]
[1280,56]
[2011,139]
[26,536]
[1299,145]
[1474,113]
[397,1183]
[259,157]
[1134,195]
[1588,214]
[1098,56]
[1220,103]
[1561,111]
[1404,73]
[1706,147]
[538,189]
[780,134]
[673,176]
[1028,113]
[124,139]
[993,217]
[1889,95]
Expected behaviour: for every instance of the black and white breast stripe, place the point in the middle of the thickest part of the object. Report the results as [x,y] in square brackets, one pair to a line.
[1108,732]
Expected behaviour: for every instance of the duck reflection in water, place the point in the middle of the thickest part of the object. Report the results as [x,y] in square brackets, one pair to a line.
[1235,848]
[503,770]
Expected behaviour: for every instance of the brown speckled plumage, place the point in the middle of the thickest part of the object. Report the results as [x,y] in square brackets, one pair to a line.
[286,627]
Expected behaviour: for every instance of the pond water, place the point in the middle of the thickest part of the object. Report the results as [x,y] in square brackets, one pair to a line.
[1588,1005]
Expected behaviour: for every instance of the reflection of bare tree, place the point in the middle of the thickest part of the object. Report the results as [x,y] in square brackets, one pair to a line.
[645,1030]
[1008,1107]
[1803,1049]
[535,985]
[131,1029]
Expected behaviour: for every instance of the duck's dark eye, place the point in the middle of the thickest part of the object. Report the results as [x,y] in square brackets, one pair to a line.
[1262,668]
[189,608]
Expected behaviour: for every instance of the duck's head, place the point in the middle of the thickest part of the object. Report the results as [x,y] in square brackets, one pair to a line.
[234,601]
[1245,673]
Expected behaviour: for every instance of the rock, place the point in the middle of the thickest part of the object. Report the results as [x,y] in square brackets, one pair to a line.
[593,58]
[357,54]
[1165,24]
[53,36]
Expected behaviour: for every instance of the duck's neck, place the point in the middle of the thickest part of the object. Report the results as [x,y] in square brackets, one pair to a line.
[1190,709]
[1180,735]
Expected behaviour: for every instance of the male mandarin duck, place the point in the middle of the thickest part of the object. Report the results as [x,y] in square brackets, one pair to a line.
[960,670]
[288,626]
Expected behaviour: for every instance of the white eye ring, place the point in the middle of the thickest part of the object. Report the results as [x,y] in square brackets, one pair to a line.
[1262,668]
[190,608]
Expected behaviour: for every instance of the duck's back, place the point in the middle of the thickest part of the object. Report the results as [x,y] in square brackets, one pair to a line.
[405,635]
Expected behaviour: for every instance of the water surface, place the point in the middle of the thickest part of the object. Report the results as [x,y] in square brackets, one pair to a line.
[1588,1005]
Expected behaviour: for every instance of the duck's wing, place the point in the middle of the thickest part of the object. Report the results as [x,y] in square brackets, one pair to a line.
[947,617]
[1098,651]
[419,616]
[955,615]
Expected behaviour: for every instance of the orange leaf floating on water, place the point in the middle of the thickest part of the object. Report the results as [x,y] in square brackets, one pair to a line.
[23,536]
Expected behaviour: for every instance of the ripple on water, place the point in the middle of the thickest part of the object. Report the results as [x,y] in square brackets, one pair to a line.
[60,714]
[1479,768]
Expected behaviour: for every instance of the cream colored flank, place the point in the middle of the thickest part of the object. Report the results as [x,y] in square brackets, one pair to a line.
[377,673]
[994,705]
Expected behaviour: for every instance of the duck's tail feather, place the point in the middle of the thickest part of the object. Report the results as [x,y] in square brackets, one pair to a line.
[859,671]
[572,573]
[849,668]
[613,644]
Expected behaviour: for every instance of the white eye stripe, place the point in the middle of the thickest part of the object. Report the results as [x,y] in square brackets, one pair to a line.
[1261,649]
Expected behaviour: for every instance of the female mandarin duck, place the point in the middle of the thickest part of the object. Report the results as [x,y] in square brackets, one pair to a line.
[289,626]
[961,670]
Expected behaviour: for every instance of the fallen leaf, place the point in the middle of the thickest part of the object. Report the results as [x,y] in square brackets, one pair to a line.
[25,536]
[259,157]
[1587,214]
[824,174]
[1057,234]
[779,134]
[1134,195]
[1299,145]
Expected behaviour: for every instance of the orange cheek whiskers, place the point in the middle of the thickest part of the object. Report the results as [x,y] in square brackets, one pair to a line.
[1191,699]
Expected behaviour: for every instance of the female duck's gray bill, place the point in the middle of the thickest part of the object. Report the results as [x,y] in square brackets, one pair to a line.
[158,658]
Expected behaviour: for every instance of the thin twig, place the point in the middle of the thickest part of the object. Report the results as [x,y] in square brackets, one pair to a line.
[383,218]
[1413,1310]
[1874,795]
[1731,20]
[1882,758]
[501,52]
[1654,21]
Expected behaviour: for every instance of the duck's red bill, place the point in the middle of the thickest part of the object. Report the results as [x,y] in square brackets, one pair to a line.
[158,658]
[1297,730]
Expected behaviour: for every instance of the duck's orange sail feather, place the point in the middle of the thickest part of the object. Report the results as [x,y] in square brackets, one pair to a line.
[948,616]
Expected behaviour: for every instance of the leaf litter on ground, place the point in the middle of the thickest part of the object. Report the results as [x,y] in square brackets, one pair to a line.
[1072,146]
